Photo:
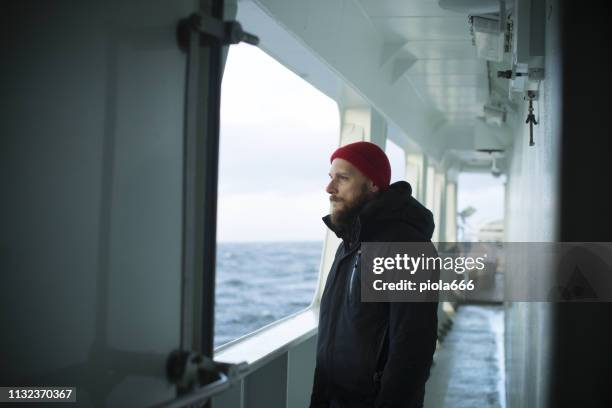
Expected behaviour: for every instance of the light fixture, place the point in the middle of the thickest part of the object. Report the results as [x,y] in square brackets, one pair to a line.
[495,171]
[489,37]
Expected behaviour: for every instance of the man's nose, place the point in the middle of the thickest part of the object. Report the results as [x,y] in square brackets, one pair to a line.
[331,187]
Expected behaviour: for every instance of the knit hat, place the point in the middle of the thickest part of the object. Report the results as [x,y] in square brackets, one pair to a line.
[369,159]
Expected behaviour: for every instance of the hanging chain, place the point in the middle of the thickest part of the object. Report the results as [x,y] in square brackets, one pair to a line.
[531,117]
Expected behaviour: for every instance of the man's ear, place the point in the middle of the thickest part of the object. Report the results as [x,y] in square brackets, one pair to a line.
[373,187]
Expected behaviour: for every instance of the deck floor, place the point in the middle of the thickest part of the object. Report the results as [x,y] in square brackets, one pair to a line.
[469,366]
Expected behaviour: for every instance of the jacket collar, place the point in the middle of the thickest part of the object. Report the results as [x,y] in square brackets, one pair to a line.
[350,234]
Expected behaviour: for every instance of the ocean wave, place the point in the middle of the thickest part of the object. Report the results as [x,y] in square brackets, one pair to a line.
[258,283]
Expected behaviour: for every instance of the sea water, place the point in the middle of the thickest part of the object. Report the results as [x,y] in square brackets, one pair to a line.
[259,283]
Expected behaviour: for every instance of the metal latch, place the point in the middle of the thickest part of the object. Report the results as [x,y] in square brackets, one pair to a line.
[198,378]
[510,74]
[213,31]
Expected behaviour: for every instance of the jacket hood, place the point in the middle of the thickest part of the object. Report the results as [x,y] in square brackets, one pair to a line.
[393,206]
[397,205]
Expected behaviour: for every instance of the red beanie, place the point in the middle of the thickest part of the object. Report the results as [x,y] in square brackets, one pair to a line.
[369,159]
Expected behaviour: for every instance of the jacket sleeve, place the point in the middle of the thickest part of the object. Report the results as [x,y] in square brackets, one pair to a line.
[412,342]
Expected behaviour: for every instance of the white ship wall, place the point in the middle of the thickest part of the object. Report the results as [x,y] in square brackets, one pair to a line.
[91,209]
[532,200]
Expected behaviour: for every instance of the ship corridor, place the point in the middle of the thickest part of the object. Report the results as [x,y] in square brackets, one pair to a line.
[113,188]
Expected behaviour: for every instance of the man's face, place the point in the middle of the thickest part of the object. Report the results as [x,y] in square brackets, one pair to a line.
[349,190]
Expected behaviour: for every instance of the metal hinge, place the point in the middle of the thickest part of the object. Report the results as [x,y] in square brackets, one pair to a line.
[198,378]
[213,32]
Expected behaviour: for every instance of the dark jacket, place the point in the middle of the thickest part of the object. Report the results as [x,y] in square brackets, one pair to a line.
[374,354]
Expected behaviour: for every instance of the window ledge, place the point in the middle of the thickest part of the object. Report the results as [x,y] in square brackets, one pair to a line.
[270,341]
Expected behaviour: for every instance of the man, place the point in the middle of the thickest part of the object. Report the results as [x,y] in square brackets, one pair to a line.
[371,354]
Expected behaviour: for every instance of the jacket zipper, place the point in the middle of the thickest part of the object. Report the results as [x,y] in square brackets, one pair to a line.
[352,277]
[331,344]
[378,369]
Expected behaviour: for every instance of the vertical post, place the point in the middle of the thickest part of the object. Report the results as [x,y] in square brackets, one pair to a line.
[414,174]
[450,230]
[438,205]
[208,126]
[430,186]
[200,173]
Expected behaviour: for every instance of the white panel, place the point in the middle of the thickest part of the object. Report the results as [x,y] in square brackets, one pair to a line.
[450,91]
[442,49]
[449,67]
[300,373]
[92,215]
[438,206]
[445,80]
[414,174]
[232,398]
[430,187]
[267,386]
[423,28]
[459,116]
[405,8]
[450,230]
[295,12]
[534,172]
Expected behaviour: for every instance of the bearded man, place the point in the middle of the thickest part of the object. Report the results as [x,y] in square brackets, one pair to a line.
[371,354]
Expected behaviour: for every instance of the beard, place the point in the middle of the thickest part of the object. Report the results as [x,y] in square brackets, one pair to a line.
[346,216]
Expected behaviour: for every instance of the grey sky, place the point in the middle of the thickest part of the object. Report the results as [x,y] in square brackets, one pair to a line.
[277,133]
